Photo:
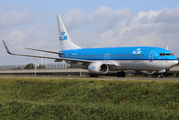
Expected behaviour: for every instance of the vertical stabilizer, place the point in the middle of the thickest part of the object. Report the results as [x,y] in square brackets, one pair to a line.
[64,38]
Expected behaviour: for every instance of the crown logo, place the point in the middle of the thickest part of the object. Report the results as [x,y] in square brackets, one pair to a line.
[62,33]
[93,67]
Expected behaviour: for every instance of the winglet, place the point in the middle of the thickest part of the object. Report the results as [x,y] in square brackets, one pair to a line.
[6,48]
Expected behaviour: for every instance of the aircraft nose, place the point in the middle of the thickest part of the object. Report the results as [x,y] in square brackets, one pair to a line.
[175,62]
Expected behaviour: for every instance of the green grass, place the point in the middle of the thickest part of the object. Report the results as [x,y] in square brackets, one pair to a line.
[45,98]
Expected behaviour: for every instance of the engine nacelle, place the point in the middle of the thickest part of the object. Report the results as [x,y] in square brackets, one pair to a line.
[148,72]
[98,68]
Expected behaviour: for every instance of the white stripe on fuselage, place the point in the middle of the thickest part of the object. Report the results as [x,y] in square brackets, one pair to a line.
[143,64]
[140,64]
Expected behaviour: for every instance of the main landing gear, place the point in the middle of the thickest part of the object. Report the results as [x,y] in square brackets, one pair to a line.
[121,74]
[93,75]
[155,75]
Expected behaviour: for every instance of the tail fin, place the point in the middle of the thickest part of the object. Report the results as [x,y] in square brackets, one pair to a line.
[64,38]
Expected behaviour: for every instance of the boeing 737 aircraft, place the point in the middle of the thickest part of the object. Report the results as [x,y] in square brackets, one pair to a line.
[98,61]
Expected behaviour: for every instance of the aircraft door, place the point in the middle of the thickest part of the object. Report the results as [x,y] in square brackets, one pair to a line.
[151,54]
[107,56]
[66,55]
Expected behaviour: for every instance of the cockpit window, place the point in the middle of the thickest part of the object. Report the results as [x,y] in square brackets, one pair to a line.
[166,54]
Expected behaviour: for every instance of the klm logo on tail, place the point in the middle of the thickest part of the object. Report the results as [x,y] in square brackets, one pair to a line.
[63,36]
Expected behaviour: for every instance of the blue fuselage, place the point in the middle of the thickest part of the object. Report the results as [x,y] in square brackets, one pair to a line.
[127,58]
[119,53]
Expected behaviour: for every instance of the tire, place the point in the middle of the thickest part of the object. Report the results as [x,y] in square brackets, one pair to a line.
[154,75]
[121,74]
[95,75]
[161,76]
[92,75]
[118,74]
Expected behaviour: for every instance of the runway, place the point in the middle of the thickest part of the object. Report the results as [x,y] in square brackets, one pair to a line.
[93,78]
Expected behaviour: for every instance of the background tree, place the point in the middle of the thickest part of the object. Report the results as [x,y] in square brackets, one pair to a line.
[29,66]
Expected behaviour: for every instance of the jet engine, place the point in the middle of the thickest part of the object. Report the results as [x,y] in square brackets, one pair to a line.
[98,68]
[148,72]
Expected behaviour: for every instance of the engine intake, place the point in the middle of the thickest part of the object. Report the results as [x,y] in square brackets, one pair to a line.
[98,68]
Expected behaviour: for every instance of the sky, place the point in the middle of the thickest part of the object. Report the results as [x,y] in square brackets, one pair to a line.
[92,23]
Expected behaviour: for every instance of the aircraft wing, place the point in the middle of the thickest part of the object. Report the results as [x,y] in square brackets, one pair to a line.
[112,64]
[66,59]
[60,53]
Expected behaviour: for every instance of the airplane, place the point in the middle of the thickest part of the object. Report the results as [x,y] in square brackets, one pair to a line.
[99,61]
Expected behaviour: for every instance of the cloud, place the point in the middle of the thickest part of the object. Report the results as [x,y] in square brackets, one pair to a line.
[15,17]
[19,30]
[16,36]
[106,27]
[36,36]
[149,15]
[76,17]
[168,16]
[106,12]
[103,24]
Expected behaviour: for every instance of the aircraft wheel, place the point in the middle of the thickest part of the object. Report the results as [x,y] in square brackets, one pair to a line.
[118,74]
[95,75]
[161,76]
[92,75]
[166,75]
[154,75]
[123,74]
